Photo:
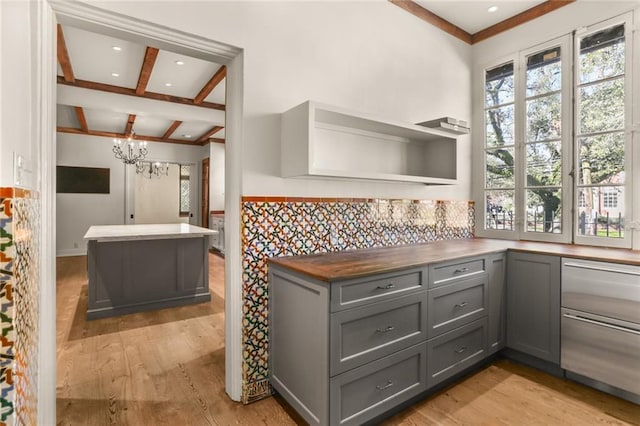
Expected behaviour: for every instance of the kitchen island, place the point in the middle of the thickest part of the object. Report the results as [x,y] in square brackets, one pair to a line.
[134,268]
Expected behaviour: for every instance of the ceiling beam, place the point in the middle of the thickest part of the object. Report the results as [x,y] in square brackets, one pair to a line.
[433,19]
[129,126]
[63,58]
[150,56]
[519,19]
[217,140]
[116,135]
[205,136]
[171,129]
[92,85]
[123,104]
[81,118]
[211,84]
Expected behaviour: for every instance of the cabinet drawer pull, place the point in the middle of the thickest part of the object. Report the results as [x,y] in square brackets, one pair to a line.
[459,351]
[460,305]
[386,386]
[461,270]
[386,287]
[386,329]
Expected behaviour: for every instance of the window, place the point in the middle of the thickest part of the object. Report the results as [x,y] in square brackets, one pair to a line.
[525,143]
[610,198]
[555,147]
[185,171]
[600,133]
[499,148]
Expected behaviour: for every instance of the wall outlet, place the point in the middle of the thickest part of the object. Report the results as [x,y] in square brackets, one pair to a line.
[75,245]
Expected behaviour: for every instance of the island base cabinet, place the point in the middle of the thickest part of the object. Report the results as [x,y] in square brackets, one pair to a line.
[363,393]
[456,350]
[141,275]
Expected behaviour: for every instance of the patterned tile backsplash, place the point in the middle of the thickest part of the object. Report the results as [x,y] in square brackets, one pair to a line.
[278,226]
[19,295]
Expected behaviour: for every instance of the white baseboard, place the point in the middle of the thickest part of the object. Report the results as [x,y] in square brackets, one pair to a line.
[72,252]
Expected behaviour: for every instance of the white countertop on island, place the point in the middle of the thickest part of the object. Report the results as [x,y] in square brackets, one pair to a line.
[145,232]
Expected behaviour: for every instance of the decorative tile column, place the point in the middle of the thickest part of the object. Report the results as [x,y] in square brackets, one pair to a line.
[19,295]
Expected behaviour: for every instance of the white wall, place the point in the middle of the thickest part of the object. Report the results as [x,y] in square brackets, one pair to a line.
[76,212]
[17,132]
[157,198]
[367,56]
[216,176]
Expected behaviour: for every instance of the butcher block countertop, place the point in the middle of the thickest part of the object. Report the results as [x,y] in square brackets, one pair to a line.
[357,263]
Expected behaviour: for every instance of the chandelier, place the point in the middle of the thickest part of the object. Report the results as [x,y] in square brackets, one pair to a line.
[132,152]
[149,169]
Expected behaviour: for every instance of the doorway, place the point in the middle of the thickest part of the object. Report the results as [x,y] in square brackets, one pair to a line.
[165,192]
[98,20]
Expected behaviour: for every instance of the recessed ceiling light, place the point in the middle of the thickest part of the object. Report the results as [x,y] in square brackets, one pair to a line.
[115,74]
[492,9]
[168,84]
[186,136]
[179,63]
[116,48]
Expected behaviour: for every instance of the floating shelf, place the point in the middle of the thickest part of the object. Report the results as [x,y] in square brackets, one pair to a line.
[324,141]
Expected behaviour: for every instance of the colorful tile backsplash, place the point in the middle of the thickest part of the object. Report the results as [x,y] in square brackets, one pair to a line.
[19,295]
[280,226]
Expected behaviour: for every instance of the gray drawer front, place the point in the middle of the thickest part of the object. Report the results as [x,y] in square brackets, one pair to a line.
[358,292]
[457,304]
[364,334]
[366,392]
[443,273]
[456,350]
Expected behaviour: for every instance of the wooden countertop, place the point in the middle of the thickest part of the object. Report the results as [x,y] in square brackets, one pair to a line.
[356,263]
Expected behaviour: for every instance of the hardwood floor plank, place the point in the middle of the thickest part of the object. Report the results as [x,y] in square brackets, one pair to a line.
[166,367]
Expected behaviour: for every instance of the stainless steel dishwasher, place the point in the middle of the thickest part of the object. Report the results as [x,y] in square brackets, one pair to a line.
[600,337]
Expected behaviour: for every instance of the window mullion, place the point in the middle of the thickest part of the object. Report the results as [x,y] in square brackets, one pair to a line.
[520,149]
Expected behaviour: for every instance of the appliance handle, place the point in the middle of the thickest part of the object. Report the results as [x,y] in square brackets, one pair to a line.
[602,324]
[599,268]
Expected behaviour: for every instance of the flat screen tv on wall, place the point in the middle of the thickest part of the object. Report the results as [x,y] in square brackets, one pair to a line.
[82,180]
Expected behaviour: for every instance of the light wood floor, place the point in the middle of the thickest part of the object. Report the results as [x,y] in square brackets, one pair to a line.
[167,368]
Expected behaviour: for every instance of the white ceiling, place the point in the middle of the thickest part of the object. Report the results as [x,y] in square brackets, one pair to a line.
[472,15]
[93,59]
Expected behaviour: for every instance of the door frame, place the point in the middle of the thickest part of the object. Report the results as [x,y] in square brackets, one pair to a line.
[204,192]
[43,27]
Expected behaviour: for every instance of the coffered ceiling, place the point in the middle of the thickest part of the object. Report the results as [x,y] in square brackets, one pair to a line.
[109,87]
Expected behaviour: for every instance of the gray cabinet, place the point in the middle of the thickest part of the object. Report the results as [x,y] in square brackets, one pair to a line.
[346,351]
[456,350]
[497,331]
[533,305]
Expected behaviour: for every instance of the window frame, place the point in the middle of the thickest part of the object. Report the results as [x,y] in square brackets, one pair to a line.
[629,165]
[519,80]
[182,178]
[569,44]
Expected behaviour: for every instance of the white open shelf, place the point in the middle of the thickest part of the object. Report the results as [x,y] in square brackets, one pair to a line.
[325,141]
